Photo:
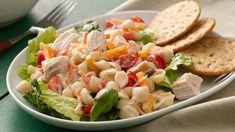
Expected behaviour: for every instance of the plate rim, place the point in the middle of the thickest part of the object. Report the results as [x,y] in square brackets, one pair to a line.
[98,124]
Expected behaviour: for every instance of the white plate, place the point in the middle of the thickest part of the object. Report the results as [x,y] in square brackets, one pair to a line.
[208,88]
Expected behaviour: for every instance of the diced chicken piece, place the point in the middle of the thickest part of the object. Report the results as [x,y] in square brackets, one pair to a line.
[145,66]
[96,41]
[65,39]
[54,66]
[162,99]
[186,86]
[166,53]
[133,47]
[119,41]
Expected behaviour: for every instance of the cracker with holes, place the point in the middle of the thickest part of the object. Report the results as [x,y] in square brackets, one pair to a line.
[175,21]
[201,29]
[212,56]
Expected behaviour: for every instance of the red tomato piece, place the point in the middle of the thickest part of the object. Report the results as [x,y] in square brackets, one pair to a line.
[132,79]
[87,109]
[41,57]
[128,60]
[109,24]
[128,36]
[137,19]
[157,60]
[55,84]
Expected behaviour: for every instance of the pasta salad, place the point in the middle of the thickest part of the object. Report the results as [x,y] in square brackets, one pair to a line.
[116,72]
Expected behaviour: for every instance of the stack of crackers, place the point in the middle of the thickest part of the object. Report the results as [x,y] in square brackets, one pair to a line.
[179,28]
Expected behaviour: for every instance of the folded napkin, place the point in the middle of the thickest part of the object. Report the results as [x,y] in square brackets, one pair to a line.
[215,113]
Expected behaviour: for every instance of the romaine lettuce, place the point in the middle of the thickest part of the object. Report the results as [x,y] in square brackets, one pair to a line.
[23,72]
[103,104]
[46,36]
[178,60]
[146,36]
[62,104]
[48,102]
[166,86]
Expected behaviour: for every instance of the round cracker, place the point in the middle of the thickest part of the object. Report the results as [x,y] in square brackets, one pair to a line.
[200,30]
[175,21]
[212,56]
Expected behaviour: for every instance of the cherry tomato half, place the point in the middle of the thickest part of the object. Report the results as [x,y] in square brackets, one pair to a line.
[109,24]
[137,19]
[157,60]
[132,78]
[87,109]
[128,60]
[40,57]
[128,36]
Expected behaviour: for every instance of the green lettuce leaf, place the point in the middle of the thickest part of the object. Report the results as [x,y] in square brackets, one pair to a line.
[177,61]
[171,75]
[103,104]
[62,104]
[147,36]
[166,86]
[51,103]
[46,36]
[113,114]
[41,106]
[23,72]
[87,27]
